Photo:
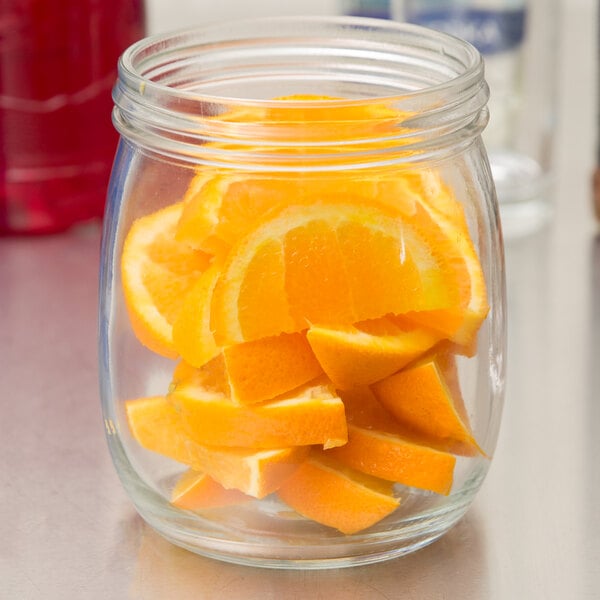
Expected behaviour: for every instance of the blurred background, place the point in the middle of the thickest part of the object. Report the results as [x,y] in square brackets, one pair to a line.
[58,64]
[167,15]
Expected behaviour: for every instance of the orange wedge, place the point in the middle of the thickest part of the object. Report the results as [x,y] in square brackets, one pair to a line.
[368,351]
[310,414]
[256,473]
[438,211]
[333,495]
[192,337]
[195,491]
[265,368]
[157,426]
[379,448]
[156,273]
[397,458]
[420,399]
[329,264]
[459,324]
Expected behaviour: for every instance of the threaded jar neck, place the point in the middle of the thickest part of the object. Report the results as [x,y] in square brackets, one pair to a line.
[295,93]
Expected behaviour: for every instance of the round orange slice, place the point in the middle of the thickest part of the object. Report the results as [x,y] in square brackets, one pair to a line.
[330,264]
[221,205]
[157,272]
[222,208]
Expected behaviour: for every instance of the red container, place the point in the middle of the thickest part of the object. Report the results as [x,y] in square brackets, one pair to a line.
[58,64]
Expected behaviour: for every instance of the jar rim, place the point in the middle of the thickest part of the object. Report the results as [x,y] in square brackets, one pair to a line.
[186,82]
[136,55]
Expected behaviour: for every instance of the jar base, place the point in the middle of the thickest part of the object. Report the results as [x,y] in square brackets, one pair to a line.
[354,553]
[275,537]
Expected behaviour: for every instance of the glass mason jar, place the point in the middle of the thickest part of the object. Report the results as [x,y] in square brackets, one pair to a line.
[302,295]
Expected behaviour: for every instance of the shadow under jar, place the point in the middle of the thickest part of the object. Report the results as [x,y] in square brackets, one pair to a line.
[302,321]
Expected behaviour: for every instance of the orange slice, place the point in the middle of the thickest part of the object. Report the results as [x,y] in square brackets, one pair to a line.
[364,410]
[437,209]
[368,351]
[265,368]
[183,371]
[420,399]
[200,217]
[431,191]
[192,337]
[157,426]
[310,414]
[333,495]
[196,490]
[460,323]
[333,111]
[221,209]
[156,273]
[210,376]
[329,264]
[376,447]
[396,458]
[445,359]
[313,118]
[256,473]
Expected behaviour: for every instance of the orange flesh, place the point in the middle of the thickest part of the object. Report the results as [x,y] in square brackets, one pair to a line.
[336,497]
[256,473]
[379,446]
[312,414]
[268,367]
[420,398]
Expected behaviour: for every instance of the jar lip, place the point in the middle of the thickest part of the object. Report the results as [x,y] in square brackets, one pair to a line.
[201,37]
[348,86]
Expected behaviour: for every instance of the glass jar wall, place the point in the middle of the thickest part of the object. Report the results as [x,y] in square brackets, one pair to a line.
[302,293]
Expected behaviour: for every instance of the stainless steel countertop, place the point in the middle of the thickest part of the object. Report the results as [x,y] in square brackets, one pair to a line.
[67,529]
